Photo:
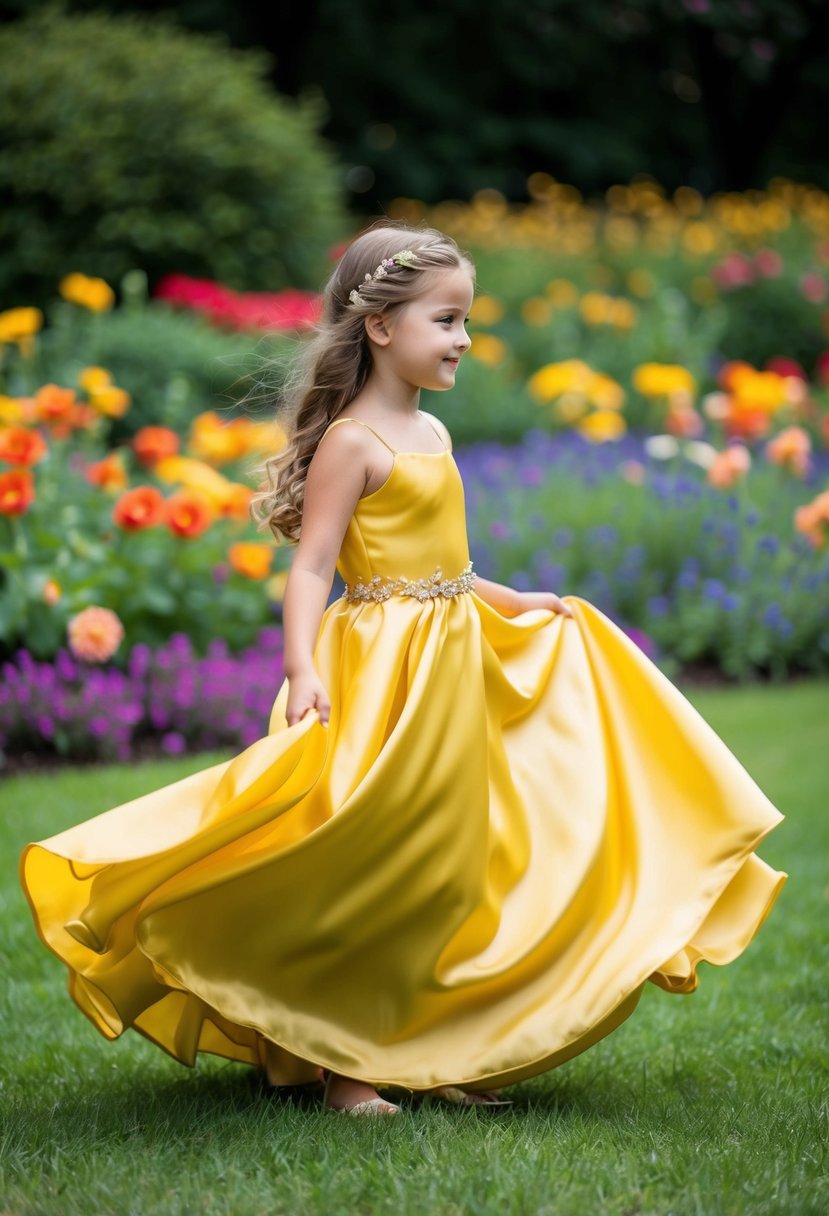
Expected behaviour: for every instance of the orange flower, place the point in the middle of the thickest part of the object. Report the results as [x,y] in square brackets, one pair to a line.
[108,473]
[236,500]
[94,294]
[189,513]
[143,507]
[790,449]
[813,519]
[54,405]
[95,634]
[251,559]
[153,443]
[52,591]
[729,466]
[17,492]
[21,446]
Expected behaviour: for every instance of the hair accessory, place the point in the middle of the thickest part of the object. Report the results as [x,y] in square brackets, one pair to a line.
[405,258]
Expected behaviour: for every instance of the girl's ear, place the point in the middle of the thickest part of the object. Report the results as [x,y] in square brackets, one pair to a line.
[377,328]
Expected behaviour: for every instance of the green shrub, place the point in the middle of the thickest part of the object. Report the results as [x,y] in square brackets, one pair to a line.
[126,142]
[173,364]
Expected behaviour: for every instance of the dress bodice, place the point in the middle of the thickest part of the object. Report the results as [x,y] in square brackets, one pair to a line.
[412,526]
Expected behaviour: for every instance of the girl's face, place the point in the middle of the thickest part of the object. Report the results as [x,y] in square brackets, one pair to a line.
[427,336]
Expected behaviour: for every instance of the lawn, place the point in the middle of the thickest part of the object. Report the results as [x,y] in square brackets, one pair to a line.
[710,1104]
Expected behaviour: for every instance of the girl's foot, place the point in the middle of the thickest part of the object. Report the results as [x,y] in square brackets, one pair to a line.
[350,1097]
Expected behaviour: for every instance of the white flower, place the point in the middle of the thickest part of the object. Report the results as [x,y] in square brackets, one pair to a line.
[700,453]
[661,447]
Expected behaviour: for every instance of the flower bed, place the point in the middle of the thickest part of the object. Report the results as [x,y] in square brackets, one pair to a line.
[734,576]
[170,695]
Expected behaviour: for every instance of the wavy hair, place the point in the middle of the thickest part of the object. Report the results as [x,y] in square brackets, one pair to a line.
[335,364]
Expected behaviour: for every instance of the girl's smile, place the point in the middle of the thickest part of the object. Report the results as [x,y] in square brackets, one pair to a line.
[426,338]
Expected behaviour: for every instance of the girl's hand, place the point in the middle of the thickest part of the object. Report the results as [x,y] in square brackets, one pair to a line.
[528,600]
[306,692]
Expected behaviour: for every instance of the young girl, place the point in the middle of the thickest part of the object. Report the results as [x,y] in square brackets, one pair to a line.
[481,819]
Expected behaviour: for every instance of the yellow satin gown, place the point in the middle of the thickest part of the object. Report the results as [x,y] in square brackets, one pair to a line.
[507,829]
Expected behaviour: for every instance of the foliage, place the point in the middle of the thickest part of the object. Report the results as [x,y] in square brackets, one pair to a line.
[173,364]
[127,142]
[712,1104]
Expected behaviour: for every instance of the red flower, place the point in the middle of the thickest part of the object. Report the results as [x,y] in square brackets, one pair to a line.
[17,492]
[18,445]
[142,507]
[189,513]
[153,443]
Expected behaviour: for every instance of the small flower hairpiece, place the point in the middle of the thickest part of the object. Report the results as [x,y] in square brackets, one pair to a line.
[405,258]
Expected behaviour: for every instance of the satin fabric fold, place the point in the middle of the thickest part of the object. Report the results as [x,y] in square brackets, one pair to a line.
[507,828]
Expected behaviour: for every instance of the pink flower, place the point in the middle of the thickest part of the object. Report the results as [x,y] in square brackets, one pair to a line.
[736,270]
[769,263]
[813,287]
[729,466]
[95,634]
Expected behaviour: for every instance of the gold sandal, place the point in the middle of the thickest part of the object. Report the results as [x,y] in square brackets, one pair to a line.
[369,1106]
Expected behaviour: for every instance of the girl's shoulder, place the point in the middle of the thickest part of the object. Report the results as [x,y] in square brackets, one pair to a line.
[440,427]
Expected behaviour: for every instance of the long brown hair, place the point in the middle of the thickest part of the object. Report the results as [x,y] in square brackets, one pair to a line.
[335,364]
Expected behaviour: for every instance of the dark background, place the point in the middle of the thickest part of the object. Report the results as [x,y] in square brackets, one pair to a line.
[438,100]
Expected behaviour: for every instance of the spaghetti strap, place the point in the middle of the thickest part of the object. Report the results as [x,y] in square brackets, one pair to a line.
[431,422]
[337,422]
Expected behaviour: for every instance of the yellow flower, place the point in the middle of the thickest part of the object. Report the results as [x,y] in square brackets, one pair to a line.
[94,294]
[602,426]
[266,437]
[20,325]
[765,391]
[604,392]
[486,310]
[595,307]
[111,401]
[216,441]
[10,409]
[699,238]
[554,379]
[622,314]
[563,293]
[537,311]
[488,349]
[195,475]
[662,380]
[621,232]
[570,407]
[93,379]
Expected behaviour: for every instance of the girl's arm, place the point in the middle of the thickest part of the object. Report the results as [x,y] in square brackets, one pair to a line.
[336,478]
[510,603]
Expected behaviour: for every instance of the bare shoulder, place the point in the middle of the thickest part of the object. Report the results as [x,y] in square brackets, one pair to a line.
[343,442]
[441,429]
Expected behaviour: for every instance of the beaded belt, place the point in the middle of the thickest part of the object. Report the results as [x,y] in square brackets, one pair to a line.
[379,588]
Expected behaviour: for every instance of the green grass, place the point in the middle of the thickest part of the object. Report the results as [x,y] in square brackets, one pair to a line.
[714,1103]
